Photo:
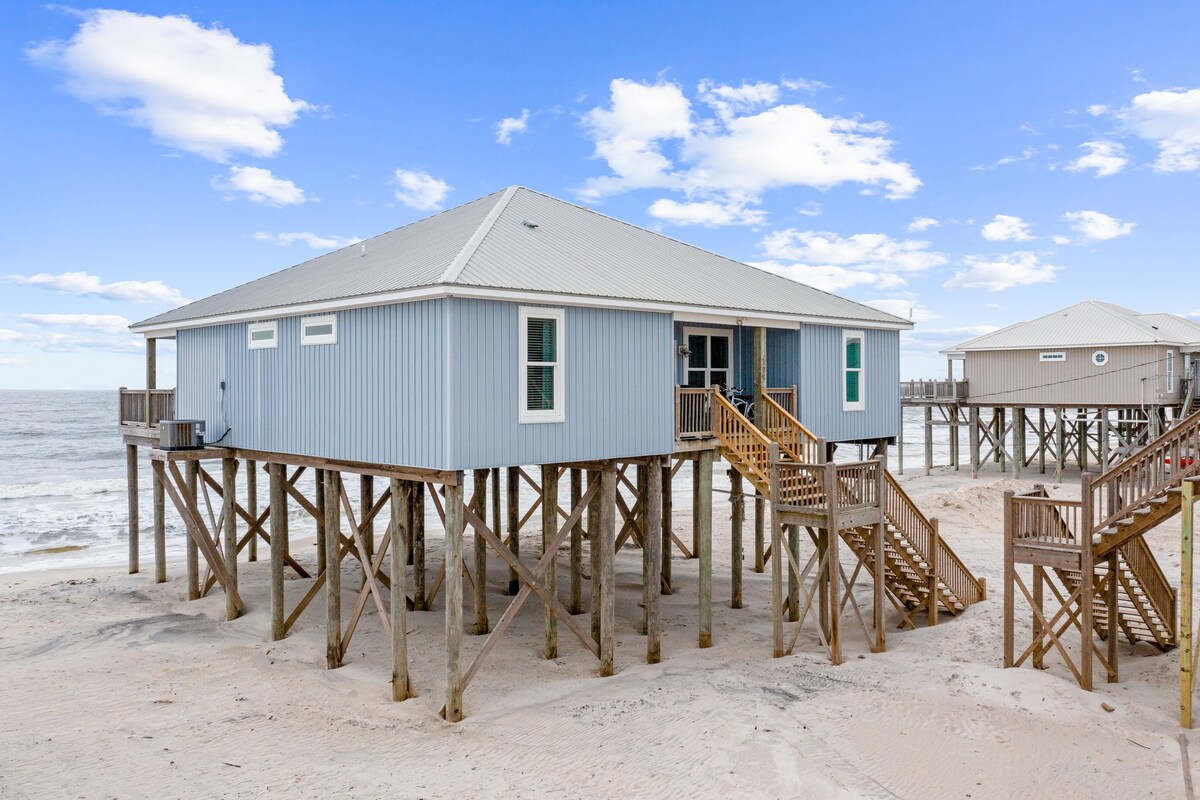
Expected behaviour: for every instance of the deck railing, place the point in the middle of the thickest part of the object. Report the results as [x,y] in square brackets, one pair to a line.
[796,440]
[1150,576]
[131,406]
[745,441]
[1039,519]
[804,486]
[693,410]
[933,390]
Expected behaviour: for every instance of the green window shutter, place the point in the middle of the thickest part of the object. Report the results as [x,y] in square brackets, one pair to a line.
[853,353]
[852,390]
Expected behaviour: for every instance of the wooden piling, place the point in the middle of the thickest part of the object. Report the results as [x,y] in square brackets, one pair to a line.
[1009,582]
[778,562]
[1042,441]
[417,515]
[479,484]
[454,599]
[549,533]
[366,501]
[1187,677]
[252,505]
[575,602]
[512,489]
[667,514]
[1059,445]
[704,532]
[279,537]
[653,507]
[641,533]
[1086,569]
[319,479]
[973,439]
[833,567]
[1018,442]
[333,570]
[1104,434]
[607,541]
[760,545]
[737,499]
[131,494]
[160,531]
[401,503]
[696,507]
[192,550]
[228,501]
[594,549]
[928,439]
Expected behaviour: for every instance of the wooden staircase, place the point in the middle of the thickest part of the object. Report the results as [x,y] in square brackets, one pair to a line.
[917,563]
[1102,535]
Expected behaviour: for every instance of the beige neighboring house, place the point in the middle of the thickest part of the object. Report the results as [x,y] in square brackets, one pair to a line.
[1089,355]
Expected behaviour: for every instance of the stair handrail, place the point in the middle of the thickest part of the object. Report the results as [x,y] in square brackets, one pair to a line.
[1159,592]
[806,448]
[750,444]
[1145,474]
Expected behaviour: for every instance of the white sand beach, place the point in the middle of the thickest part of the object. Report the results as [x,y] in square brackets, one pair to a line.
[112,686]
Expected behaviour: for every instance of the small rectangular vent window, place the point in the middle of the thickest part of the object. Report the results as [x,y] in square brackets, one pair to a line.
[262,335]
[318,330]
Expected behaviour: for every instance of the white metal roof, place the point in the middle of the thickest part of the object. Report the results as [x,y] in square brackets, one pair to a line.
[1087,324]
[521,244]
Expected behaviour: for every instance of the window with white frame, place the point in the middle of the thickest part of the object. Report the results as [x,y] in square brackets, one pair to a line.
[318,330]
[1170,372]
[541,378]
[853,385]
[262,335]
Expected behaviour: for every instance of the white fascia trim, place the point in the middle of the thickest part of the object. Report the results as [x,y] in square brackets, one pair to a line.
[682,312]
[1060,346]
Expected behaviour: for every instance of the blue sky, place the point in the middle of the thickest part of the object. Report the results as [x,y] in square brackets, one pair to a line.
[975,164]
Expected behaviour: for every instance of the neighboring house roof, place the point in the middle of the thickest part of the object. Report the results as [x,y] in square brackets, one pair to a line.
[523,245]
[1087,324]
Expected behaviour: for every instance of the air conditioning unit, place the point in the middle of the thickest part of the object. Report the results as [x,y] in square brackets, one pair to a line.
[181,434]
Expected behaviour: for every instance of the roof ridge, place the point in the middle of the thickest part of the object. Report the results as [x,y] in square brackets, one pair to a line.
[460,261]
[1136,324]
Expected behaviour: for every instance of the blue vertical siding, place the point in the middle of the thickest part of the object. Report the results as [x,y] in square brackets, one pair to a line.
[618,390]
[375,396]
[820,385]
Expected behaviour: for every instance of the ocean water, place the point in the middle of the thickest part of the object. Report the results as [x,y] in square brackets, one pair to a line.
[62,483]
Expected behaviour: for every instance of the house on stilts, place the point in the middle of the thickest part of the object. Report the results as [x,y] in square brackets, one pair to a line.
[520,339]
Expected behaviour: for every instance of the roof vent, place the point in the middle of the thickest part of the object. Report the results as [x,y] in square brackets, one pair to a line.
[529,224]
[363,251]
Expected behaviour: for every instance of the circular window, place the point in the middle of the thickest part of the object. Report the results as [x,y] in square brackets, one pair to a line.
[1099,358]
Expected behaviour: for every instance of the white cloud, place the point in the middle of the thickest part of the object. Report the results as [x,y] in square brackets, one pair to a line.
[259,185]
[1097,109]
[904,308]
[112,324]
[832,262]
[1105,157]
[83,284]
[311,239]
[709,213]
[997,273]
[1171,120]
[420,190]
[651,136]
[9,336]
[810,209]
[1061,239]
[803,85]
[1097,226]
[934,340]
[509,127]
[922,224]
[197,89]
[1025,155]
[1006,228]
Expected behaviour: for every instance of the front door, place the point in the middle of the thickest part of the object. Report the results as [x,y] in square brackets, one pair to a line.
[708,360]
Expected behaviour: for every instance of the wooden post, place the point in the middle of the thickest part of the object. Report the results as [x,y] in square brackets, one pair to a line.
[229,500]
[252,505]
[641,533]
[479,484]
[497,507]
[1187,678]
[401,502]
[1018,442]
[366,500]
[454,599]
[696,507]
[760,520]
[151,379]
[549,532]
[191,475]
[779,560]
[973,439]
[131,493]
[955,455]
[1042,441]
[759,377]
[667,513]
[160,531]
[704,517]
[607,542]
[737,500]
[653,507]
[593,531]
[575,602]
[1113,622]
[1081,435]
[333,570]
[928,439]
[417,515]
[900,444]
[512,489]
[1086,571]
[1059,445]
[279,537]
[833,567]
[319,478]
[1104,434]
[1000,416]
[1009,572]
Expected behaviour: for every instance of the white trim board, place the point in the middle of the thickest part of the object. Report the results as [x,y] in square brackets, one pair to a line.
[681,312]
